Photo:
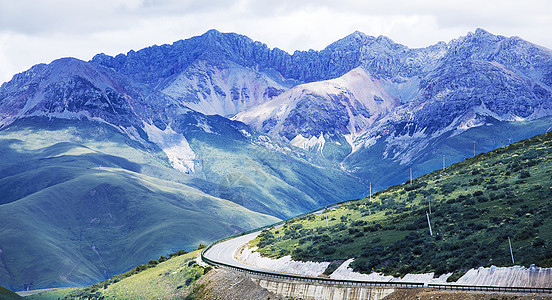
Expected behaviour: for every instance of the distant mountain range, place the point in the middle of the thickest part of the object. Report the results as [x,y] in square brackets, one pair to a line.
[189,142]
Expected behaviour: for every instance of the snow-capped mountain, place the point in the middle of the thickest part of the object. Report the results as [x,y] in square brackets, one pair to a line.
[357,91]
[407,97]
[223,119]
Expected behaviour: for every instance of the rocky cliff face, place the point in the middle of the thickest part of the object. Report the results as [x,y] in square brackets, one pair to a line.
[416,94]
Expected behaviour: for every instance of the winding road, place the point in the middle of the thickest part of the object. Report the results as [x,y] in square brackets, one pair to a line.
[223,252]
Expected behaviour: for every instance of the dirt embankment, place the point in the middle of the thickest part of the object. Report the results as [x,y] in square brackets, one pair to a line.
[220,284]
[431,294]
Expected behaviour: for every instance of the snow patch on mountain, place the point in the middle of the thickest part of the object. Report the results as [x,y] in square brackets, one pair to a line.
[309,144]
[175,146]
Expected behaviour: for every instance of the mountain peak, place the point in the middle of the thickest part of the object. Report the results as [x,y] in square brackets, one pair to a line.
[212,32]
[482,32]
[483,35]
[354,40]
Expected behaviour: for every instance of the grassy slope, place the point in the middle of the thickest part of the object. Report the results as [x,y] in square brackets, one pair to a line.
[6,294]
[261,175]
[68,221]
[271,182]
[368,163]
[476,205]
[166,280]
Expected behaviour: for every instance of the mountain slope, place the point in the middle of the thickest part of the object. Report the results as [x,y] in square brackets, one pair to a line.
[8,295]
[224,88]
[476,206]
[77,212]
[345,106]
[414,100]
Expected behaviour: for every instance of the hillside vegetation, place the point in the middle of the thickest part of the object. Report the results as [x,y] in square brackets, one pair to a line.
[6,294]
[165,278]
[476,206]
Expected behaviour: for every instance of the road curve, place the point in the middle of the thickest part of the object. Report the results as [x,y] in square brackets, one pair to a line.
[223,252]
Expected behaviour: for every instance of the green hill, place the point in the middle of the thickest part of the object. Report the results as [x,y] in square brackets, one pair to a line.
[476,205]
[6,294]
[80,202]
[83,200]
[166,278]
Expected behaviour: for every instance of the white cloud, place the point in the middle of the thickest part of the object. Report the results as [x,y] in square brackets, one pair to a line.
[32,32]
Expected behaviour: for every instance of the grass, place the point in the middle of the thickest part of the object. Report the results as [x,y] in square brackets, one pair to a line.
[476,205]
[367,163]
[84,196]
[6,294]
[166,278]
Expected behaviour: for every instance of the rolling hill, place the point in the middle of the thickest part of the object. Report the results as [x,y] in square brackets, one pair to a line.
[81,211]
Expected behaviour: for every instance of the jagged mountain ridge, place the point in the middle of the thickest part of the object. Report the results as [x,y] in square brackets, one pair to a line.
[481,76]
[405,99]
[440,90]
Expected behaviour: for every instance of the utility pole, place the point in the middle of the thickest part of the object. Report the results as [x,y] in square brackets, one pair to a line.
[443,162]
[511,253]
[429,202]
[473,148]
[410,175]
[429,224]
[370,191]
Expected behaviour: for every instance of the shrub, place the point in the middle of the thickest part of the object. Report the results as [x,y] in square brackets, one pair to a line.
[538,243]
[140,268]
[328,250]
[524,174]
[296,226]
[455,276]
[178,253]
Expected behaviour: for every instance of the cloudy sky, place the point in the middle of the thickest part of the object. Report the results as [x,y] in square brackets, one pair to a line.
[37,31]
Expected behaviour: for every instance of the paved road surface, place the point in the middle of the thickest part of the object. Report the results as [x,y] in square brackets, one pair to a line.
[224,251]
